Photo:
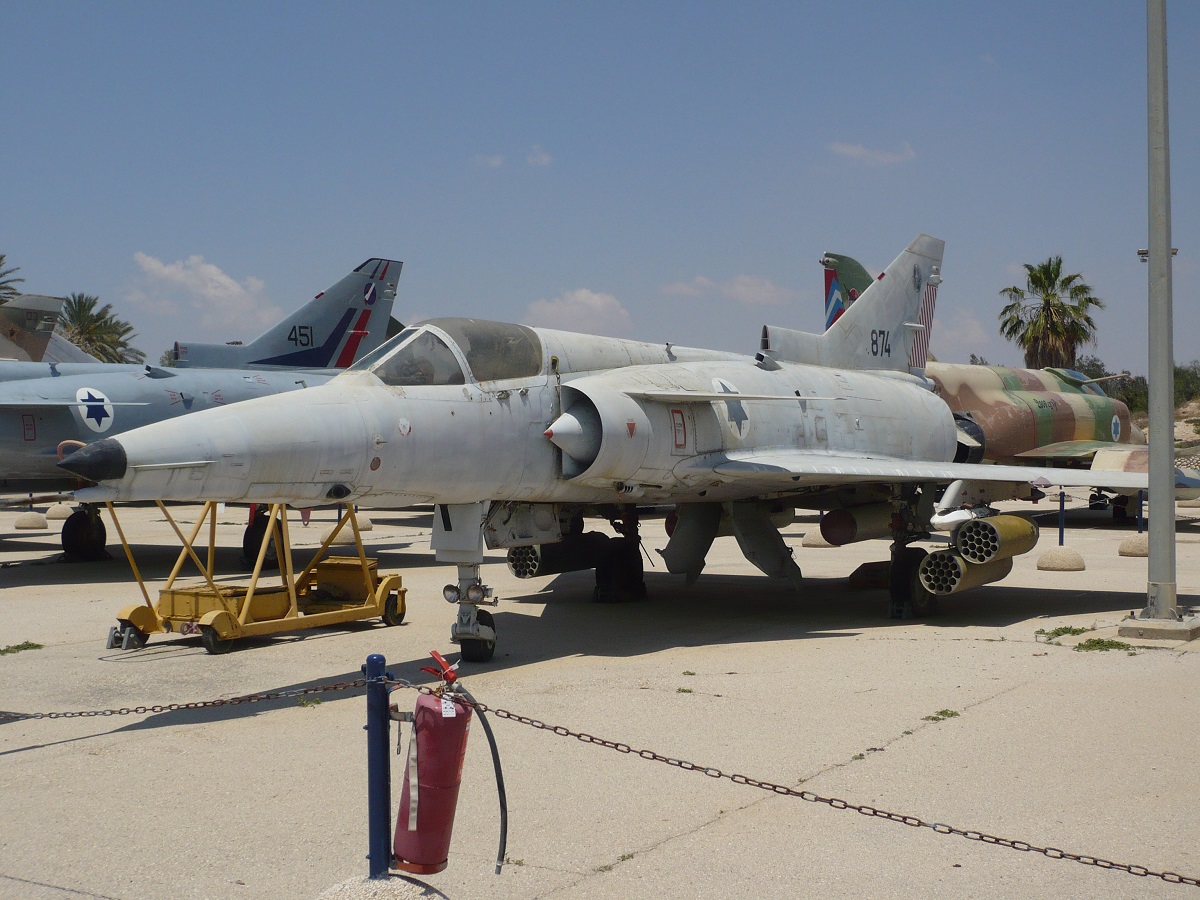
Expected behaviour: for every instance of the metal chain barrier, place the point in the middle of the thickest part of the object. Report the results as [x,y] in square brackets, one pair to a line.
[201,704]
[710,771]
[835,803]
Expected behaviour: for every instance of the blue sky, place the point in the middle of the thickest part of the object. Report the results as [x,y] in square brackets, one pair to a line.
[662,171]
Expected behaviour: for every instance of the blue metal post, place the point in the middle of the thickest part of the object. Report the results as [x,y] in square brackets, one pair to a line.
[379,770]
[1141,519]
[1062,517]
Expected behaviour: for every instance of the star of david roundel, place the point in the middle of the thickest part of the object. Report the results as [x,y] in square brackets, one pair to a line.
[95,409]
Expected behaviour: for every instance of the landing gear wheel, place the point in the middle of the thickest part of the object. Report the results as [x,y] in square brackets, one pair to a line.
[475,650]
[908,595]
[213,642]
[392,614]
[84,536]
[252,539]
[1120,510]
[620,573]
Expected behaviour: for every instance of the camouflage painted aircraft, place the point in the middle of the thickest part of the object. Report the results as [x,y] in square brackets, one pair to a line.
[27,332]
[1055,417]
[44,418]
[519,434]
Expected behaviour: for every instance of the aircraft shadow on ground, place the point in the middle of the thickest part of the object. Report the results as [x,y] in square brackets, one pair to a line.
[718,609]
[155,562]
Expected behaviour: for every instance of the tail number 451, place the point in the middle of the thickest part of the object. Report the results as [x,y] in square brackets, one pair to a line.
[881,343]
[302,335]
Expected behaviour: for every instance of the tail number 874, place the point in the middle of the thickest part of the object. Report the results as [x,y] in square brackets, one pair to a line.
[881,343]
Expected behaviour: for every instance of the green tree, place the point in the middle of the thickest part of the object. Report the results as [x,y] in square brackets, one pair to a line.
[1050,318]
[8,284]
[1092,367]
[98,331]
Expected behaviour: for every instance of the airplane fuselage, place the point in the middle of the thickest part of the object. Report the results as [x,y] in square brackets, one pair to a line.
[632,428]
[42,419]
[1020,410]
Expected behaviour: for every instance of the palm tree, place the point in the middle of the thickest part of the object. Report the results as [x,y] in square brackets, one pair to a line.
[1049,318]
[98,331]
[8,290]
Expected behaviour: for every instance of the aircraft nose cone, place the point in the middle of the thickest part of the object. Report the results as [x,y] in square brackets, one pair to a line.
[102,461]
[576,433]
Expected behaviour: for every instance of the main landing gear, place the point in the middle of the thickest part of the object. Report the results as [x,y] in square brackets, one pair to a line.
[84,535]
[620,574]
[908,596]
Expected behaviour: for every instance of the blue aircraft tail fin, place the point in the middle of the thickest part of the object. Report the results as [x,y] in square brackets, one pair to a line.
[330,332]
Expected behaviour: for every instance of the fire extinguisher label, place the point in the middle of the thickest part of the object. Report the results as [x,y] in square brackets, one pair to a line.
[448,711]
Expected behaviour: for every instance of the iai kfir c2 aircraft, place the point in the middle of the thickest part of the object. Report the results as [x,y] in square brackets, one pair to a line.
[67,406]
[519,434]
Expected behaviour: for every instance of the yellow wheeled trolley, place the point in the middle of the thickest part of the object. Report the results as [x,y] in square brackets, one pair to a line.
[330,590]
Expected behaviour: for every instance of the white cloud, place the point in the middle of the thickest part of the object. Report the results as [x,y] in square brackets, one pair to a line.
[538,157]
[697,287]
[748,290]
[874,157]
[489,162]
[751,290]
[956,336]
[581,310]
[200,293]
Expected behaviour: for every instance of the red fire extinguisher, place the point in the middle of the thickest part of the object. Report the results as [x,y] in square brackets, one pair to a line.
[432,777]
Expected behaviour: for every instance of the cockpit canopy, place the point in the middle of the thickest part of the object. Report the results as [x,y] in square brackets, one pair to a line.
[433,352]
[1080,381]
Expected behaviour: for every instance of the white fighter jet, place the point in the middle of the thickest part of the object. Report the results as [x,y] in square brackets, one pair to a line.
[518,434]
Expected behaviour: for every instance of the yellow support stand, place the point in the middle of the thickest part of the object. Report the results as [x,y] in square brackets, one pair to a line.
[331,590]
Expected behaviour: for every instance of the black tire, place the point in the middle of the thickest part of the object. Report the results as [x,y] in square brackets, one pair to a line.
[137,638]
[904,584]
[620,573]
[213,642]
[252,539]
[84,536]
[392,614]
[477,651]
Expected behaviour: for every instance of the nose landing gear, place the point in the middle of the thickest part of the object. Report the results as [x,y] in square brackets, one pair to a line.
[474,630]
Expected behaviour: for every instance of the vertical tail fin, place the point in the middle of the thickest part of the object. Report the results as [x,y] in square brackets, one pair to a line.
[26,324]
[879,330]
[845,280]
[330,332]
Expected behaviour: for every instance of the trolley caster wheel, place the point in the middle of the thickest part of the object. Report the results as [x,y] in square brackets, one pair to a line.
[213,642]
[392,614]
[126,637]
[475,650]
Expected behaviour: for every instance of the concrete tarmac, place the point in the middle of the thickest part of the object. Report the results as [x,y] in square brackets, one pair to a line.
[971,719]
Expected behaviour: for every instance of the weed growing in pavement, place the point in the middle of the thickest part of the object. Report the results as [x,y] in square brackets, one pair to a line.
[941,715]
[17,648]
[1103,644]
[309,701]
[683,690]
[688,672]
[1049,637]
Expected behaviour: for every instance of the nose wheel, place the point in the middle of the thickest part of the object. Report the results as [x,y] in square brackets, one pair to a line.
[474,630]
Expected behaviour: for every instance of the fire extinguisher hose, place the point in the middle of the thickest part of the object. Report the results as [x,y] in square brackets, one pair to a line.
[503,796]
